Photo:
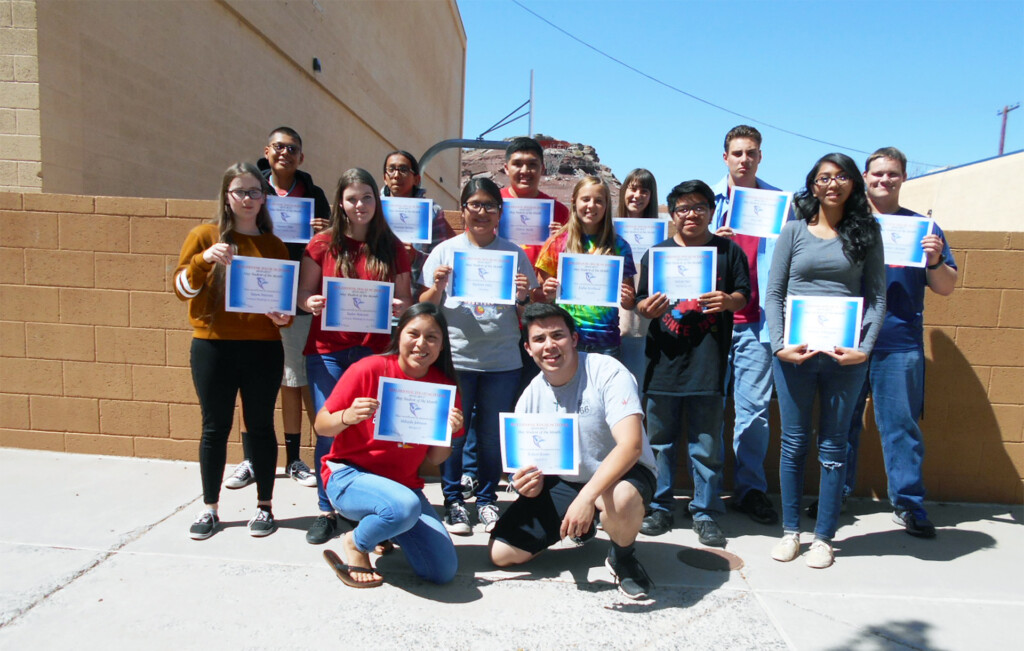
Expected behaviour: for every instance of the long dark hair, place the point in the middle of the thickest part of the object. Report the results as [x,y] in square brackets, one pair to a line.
[858,230]
[643,179]
[443,362]
[380,244]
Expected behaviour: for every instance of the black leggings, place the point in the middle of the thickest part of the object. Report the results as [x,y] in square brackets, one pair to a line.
[220,369]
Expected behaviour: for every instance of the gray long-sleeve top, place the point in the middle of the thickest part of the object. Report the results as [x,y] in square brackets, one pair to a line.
[806,265]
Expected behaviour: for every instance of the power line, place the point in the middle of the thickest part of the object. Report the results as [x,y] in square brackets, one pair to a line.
[691,95]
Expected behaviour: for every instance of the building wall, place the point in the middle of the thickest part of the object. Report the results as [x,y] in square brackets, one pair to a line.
[19,98]
[94,345]
[156,99]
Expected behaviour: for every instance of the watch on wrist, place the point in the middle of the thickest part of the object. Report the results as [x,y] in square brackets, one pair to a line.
[524,301]
[938,264]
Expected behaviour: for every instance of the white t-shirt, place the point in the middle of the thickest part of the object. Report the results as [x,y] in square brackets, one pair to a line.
[602,392]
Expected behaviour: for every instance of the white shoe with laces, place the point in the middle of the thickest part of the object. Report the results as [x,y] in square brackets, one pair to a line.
[820,555]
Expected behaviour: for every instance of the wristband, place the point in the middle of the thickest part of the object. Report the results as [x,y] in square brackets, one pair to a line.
[938,264]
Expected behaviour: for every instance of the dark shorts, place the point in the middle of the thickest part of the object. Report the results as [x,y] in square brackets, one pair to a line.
[533,523]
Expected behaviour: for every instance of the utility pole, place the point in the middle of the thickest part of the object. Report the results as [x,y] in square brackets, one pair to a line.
[1002,133]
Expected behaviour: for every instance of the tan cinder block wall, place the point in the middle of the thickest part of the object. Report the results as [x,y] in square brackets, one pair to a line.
[94,345]
[20,145]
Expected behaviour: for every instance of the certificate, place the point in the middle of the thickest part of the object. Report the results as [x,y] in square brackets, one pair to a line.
[641,234]
[761,213]
[587,279]
[484,277]
[410,218]
[292,217]
[682,272]
[823,322]
[526,221]
[901,238]
[261,285]
[414,412]
[549,441]
[357,305]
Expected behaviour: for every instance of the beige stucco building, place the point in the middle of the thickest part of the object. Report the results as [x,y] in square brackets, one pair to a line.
[150,98]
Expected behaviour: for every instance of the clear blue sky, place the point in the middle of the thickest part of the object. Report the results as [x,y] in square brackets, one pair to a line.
[927,77]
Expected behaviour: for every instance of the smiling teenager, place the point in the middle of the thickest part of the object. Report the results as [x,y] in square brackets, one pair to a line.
[638,199]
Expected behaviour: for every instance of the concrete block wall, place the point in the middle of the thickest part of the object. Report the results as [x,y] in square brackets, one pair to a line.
[20,144]
[94,346]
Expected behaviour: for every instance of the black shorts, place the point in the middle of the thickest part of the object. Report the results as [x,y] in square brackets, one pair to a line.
[533,523]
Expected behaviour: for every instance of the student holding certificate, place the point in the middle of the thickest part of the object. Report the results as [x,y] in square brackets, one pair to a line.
[233,352]
[638,199]
[485,346]
[832,249]
[360,245]
[376,482]
[590,230]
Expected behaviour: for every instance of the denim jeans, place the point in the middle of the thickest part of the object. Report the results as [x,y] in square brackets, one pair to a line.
[896,382]
[633,357]
[750,364]
[703,418]
[388,510]
[323,372]
[837,387]
[484,396]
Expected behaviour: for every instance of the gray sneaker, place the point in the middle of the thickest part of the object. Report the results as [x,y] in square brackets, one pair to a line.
[205,525]
[488,516]
[262,524]
[301,473]
[241,476]
[456,519]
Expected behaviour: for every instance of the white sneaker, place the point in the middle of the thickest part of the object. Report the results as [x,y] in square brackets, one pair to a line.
[787,549]
[488,516]
[241,476]
[820,555]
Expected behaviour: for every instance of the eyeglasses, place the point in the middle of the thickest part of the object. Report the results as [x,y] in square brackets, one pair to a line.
[240,194]
[282,146]
[824,181]
[476,206]
[700,210]
[396,170]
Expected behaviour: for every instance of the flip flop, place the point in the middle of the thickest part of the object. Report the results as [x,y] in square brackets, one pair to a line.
[344,572]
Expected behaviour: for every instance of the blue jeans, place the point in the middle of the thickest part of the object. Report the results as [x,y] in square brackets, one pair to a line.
[703,418]
[484,396]
[388,510]
[797,386]
[323,372]
[750,363]
[633,357]
[896,382]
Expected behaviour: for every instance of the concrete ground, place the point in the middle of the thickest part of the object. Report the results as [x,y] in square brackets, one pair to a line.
[94,553]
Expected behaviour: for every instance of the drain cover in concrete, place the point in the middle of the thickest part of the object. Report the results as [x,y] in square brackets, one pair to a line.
[706,558]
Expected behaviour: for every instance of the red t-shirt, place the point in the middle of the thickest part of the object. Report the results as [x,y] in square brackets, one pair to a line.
[561,216]
[322,342]
[356,444]
[751,312]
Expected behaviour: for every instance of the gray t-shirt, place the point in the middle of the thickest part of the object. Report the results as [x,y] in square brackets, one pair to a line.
[602,392]
[484,336]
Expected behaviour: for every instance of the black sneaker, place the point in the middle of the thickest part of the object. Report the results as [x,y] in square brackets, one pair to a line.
[915,522]
[709,533]
[812,508]
[322,529]
[630,576]
[262,524]
[204,526]
[656,523]
[757,506]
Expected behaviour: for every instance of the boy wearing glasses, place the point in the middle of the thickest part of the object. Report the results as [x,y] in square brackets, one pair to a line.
[283,154]
[688,350]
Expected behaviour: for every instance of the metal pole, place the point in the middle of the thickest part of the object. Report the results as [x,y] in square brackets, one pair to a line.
[531,105]
[1002,132]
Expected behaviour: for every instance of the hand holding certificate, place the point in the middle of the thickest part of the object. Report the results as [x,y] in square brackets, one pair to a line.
[586,279]
[261,285]
[823,322]
[292,217]
[526,221]
[901,238]
[357,305]
[551,442]
[761,213]
[483,277]
[414,412]
[682,273]
[410,219]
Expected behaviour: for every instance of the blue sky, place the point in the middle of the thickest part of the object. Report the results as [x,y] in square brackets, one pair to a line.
[927,77]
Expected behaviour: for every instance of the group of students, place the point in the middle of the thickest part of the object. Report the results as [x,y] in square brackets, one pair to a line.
[537,357]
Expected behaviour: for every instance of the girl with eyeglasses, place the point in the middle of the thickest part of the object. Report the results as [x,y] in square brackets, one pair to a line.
[485,350]
[233,352]
[590,230]
[359,244]
[638,199]
[834,248]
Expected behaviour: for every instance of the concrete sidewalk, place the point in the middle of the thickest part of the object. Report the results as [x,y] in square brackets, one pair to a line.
[94,553]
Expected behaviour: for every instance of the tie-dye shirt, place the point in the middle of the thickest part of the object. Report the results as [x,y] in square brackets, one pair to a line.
[597,326]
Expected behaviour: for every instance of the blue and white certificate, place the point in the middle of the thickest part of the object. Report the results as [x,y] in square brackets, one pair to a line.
[823,322]
[526,221]
[682,272]
[292,217]
[901,238]
[761,213]
[641,234]
[357,305]
[261,285]
[411,219]
[483,277]
[414,412]
[549,441]
[587,279]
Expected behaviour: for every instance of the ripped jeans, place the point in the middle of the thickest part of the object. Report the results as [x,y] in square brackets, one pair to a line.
[797,386]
